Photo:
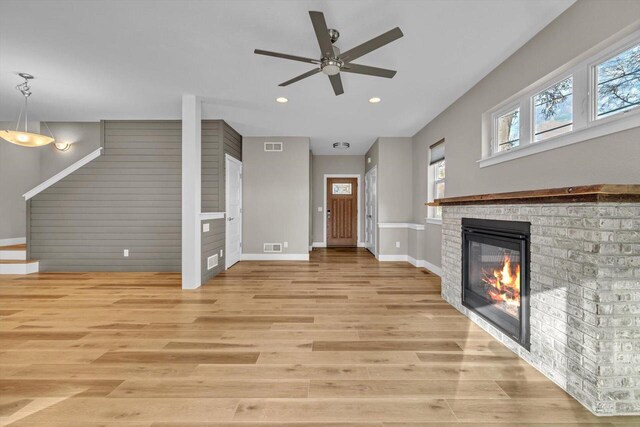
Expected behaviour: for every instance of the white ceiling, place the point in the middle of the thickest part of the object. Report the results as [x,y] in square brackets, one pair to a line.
[98,60]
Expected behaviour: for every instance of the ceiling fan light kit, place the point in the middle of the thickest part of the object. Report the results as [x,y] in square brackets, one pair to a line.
[332,62]
[24,137]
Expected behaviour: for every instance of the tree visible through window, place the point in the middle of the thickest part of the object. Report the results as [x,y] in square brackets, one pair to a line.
[508,130]
[618,83]
[553,110]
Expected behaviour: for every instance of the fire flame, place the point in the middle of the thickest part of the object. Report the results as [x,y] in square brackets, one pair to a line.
[504,282]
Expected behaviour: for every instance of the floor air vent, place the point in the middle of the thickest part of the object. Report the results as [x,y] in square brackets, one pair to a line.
[273,146]
[273,247]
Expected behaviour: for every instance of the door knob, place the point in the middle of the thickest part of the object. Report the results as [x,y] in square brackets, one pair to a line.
[229,218]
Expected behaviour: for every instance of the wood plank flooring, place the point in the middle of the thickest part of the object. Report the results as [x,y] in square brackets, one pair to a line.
[340,340]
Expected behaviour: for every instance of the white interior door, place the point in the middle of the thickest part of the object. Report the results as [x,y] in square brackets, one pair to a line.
[233,211]
[370,184]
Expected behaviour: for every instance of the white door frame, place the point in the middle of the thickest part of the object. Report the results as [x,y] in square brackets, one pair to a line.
[228,158]
[324,203]
[375,212]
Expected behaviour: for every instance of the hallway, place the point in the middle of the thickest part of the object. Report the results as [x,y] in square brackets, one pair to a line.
[342,339]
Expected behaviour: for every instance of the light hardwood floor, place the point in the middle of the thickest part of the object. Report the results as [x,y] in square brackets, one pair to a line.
[341,340]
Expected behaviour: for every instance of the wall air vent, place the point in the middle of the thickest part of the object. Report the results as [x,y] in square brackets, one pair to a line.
[273,146]
[212,261]
[273,247]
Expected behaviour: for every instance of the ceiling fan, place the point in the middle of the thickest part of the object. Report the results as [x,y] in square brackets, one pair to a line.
[331,61]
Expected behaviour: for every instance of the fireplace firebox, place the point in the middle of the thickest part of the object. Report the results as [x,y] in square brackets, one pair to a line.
[495,274]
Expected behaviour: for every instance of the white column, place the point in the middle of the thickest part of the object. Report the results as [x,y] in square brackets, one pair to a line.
[191,194]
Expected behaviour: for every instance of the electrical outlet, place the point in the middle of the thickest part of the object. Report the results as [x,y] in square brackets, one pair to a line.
[221,253]
[397,244]
[368,159]
[286,244]
[126,252]
[205,227]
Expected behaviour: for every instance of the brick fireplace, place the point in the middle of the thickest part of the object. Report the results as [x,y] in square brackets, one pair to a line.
[584,286]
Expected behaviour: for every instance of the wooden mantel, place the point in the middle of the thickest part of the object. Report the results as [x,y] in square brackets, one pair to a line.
[579,194]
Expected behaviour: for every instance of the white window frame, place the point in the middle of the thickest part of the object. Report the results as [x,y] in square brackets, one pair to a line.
[432,211]
[585,124]
[495,145]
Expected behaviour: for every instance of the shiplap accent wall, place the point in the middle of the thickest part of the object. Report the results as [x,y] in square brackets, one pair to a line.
[129,198]
[218,139]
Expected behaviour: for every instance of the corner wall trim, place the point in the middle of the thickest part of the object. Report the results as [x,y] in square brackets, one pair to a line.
[409,225]
[204,216]
[13,241]
[63,173]
[275,257]
[318,245]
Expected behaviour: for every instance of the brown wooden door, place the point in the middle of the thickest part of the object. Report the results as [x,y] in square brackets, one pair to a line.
[342,212]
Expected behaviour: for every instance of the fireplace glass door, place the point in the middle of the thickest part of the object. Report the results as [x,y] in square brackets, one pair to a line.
[495,274]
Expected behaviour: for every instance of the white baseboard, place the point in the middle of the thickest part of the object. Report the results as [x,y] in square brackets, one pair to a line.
[386,258]
[275,257]
[361,244]
[431,267]
[420,263]
[13,241]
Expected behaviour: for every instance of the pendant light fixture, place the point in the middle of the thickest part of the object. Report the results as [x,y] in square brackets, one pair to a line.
[24,137]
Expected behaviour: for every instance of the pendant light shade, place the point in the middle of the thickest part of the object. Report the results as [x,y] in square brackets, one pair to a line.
[24,137]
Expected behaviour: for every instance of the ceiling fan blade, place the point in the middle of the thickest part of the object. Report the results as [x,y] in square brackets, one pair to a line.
[336,82]
[300,77]
[286,56]
[371,45]
[322,34]
[370,71]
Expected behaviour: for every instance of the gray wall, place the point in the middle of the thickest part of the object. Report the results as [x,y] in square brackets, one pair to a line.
[373,155]
[395,177]
[218,139]
[610,159]
[129,198]
[334,165]
[22,168]
[84,138]
[19,173]
[276,194]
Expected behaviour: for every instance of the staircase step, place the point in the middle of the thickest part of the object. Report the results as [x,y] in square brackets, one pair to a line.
[13,252]
[22,266]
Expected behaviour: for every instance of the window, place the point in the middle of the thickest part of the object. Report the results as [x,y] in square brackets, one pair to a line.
[589,97]
[341,188]
[438,186]
[618,83]
[508,128]
[435,184]
[553,110]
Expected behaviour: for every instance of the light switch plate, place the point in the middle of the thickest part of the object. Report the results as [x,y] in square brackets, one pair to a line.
[286,244]
[126,252]
[397,244]
[205,227]
[221,253]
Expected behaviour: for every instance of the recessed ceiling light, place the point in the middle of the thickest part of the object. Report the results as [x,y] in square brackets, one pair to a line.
[341,145]
[282,100]
[374,100]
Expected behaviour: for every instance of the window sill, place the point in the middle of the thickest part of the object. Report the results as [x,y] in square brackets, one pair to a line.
[596,129]
[436,221]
